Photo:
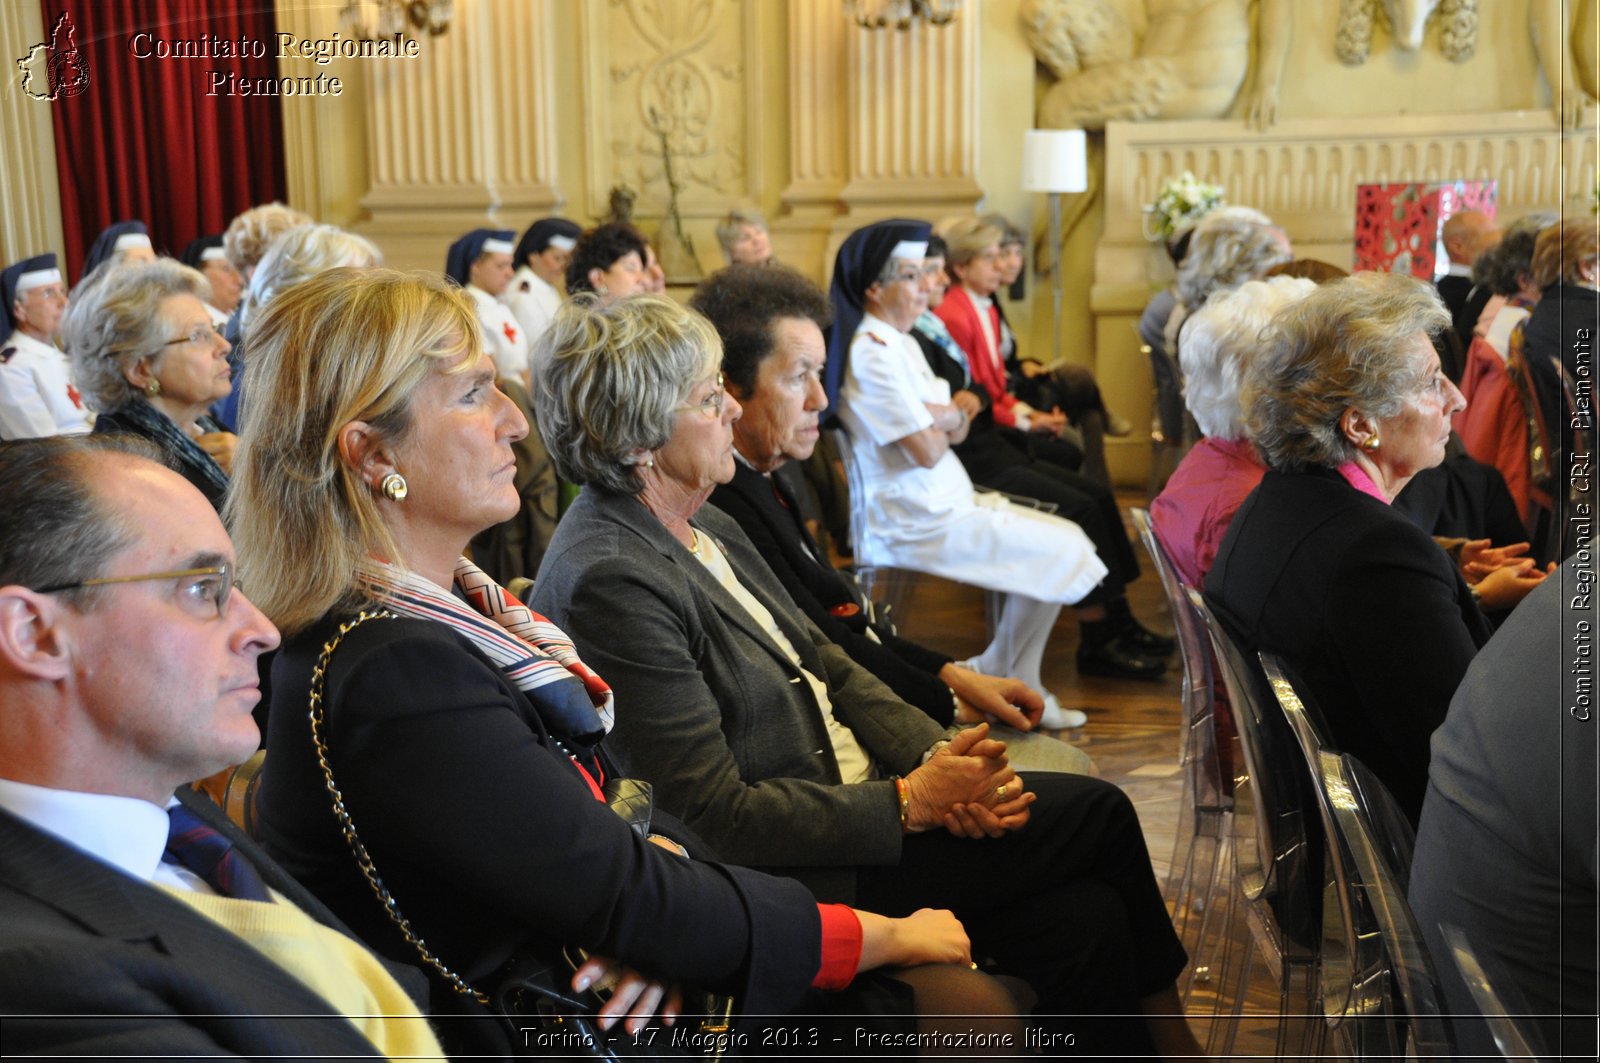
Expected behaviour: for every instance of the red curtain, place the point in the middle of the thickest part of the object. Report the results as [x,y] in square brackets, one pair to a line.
[144,139]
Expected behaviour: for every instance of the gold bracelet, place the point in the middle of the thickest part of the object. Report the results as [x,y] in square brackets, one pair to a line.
[903,790]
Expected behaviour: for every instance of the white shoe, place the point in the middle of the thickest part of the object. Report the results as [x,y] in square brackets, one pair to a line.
[1056,718]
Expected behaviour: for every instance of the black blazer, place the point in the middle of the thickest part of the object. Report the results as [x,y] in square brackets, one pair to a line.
[1363,603]
[488,837]
[910,670]
[103,964]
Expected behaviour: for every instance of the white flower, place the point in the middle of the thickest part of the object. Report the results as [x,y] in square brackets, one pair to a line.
[1181,198]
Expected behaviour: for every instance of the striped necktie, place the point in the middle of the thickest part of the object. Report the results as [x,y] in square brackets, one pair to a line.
[194,844]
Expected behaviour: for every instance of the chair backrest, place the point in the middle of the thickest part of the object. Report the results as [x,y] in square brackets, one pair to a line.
[1361,803]
[859,537]
[1284,871]
[1200,752]
[1496,999]
[865,570]
[1392,830]
[1383,993]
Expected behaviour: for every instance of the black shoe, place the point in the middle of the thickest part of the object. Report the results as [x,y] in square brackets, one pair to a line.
[1141,639]
[1116,659]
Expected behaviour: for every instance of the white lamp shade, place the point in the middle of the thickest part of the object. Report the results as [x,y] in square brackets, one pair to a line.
[1055,160]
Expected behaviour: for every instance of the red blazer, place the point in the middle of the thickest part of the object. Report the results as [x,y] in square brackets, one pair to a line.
[961,318]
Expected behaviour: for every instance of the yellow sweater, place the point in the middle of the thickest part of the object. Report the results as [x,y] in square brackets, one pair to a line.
[333,966]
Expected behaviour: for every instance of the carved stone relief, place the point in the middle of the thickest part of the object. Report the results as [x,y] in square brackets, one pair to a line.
[1136,60]
[673,69]
[1407,21]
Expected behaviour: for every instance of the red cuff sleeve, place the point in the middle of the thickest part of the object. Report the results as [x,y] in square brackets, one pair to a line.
[841,946]
[1004,415]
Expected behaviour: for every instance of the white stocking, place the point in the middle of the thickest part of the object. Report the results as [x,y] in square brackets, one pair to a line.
[1019,640]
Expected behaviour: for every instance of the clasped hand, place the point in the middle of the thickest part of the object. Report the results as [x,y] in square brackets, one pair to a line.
[969,788]
[1501,575]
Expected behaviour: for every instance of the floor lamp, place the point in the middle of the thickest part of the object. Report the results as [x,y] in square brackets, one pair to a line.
[1055,161]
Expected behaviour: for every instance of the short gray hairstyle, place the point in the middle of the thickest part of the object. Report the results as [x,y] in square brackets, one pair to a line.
[1345,346]
[300,254]
[1225,250]
[728,228]
[607,382]
[114,321]
[1218,342]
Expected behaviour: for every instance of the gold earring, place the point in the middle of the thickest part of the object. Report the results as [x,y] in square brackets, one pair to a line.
[1370,444]
[393,487]
[153,388]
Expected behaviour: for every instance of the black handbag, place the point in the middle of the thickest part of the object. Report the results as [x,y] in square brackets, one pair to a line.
[533,992]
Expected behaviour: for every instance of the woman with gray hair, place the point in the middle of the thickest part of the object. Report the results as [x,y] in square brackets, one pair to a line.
[1193,510]
[296,255]
[744,238]
[148,357]
[300,254]
[1346,402]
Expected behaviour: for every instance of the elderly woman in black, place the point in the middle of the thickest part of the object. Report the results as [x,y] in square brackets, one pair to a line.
[460,732]
[772,743]
[1346,401]
[147,356]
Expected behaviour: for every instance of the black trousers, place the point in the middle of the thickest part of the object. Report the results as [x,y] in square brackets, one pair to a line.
[1069,903]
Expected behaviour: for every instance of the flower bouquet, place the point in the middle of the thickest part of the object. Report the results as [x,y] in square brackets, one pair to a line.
[1182,199]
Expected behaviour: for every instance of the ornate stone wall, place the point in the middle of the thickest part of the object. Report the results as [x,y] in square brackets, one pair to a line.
[677,70]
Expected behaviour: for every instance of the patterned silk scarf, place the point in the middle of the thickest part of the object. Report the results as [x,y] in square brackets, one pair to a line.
[537,656]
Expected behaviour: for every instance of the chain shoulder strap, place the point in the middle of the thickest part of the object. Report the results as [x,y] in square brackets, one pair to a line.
[391,908]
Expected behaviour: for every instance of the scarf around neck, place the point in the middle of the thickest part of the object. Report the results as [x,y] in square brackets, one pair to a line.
[538,657]
[165,433]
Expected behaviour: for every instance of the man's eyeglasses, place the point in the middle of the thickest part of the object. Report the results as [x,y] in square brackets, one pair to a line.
[711,405]
[209,586]
[202,334]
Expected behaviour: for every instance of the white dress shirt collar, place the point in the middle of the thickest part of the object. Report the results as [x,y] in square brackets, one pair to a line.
[128,833]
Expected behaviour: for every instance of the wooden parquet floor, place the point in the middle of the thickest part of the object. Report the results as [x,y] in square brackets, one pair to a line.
[1132,734]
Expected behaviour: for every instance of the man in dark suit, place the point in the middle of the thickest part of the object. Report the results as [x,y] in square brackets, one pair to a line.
[134,921]
[1467,234]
